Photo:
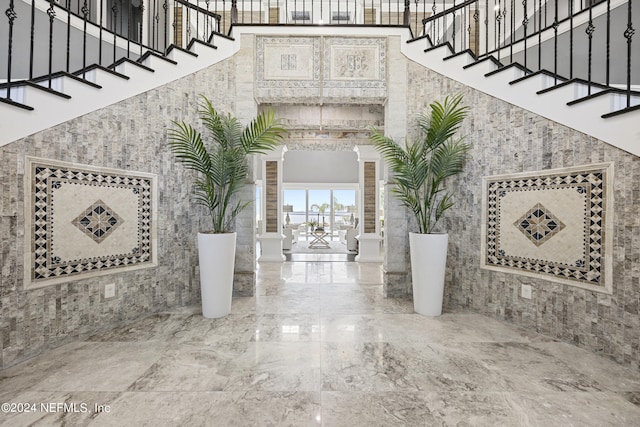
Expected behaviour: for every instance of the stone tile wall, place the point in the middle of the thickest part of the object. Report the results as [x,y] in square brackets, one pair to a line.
[130,135]
[507,139]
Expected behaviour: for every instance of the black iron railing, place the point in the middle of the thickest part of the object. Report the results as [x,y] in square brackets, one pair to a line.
[43,37]
[590,40]
[586,40]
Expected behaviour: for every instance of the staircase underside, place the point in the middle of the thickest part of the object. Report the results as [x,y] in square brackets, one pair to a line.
[35,106]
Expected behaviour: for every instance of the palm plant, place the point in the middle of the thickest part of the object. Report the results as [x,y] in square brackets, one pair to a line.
[221,163]
[421,168]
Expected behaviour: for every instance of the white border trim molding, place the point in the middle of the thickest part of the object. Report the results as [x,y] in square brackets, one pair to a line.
[553,225]
[84,221]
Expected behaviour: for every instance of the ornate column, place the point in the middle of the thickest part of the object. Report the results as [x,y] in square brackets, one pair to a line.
[369,238]
[271,229]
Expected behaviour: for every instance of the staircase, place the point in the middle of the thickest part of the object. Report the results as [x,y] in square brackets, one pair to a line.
[606,113]
[44,102]
[601,114]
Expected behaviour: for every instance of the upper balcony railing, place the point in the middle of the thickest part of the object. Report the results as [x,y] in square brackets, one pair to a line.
[588,39]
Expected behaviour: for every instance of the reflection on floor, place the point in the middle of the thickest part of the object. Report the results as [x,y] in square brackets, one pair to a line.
[319,345]
[301,251]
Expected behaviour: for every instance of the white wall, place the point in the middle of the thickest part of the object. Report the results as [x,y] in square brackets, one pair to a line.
[320,166]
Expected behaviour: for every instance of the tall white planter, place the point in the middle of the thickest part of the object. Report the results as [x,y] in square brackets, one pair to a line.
[428,264]
[216,253]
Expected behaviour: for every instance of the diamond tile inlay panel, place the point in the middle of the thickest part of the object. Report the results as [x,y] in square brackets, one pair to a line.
[98,221]
[115,231]
[566,234]
[539,224]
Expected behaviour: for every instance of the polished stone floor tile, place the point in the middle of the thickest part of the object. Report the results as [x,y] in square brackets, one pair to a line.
[252,408]
[319,345]
[270,366]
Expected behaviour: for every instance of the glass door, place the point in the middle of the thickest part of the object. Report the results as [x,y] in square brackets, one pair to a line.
[333,209]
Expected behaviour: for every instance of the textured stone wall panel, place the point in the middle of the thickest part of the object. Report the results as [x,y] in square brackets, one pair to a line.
[130,135]
[506,140]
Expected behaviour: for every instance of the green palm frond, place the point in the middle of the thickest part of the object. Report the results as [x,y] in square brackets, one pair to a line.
[221,162]
[263,134]
[420,168]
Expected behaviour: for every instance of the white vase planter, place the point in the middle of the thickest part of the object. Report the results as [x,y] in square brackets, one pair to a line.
[428,264]
[216,253]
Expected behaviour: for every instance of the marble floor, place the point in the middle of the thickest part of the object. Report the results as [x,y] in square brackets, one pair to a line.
[319,345]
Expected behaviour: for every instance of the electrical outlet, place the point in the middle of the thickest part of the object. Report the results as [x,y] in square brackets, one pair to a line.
[525,291]
[110,290]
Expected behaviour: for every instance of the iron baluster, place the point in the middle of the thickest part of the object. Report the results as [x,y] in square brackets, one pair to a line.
[100,38]
[497,28]
[590,30]
[114,9]
[608,48]
[512,22]
[68,34]
[85,13]
[476,43]
[525,21]
[466,31]
[504,25]
[207,26]
[154,25]
[174,28]
[52,14]
[628,34]
[165,6]
[11,16]
[556,24]
[433,24]
[234,12]
[453,19]
[186,24]
[486,28]
[406,14]
[140,25]
[33,17]
[129,23]
[540,34]
[570,39]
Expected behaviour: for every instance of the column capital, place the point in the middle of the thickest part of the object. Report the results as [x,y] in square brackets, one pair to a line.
[275,154]
[366,152]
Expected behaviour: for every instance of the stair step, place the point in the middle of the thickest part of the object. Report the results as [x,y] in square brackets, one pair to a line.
[437,47]
[97,73]
[569,90]
[622,111]
[29,93]
[151,59]
[132,69]
[509,72]
[15,104]
[62,80]
[541,80]
[489,62]
[183,56]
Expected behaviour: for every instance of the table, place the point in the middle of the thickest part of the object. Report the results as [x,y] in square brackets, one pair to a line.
[319,241]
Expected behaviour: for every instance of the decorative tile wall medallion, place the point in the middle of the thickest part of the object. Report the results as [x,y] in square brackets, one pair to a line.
[83,221]
[355,62]
[288,62]
[554,225]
